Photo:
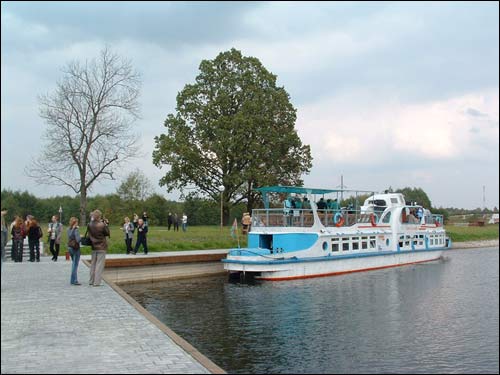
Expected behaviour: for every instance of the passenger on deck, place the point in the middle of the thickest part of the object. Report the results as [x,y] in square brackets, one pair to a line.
[412,219]
[306,205]
[333,205]
[420,214]
[321,204]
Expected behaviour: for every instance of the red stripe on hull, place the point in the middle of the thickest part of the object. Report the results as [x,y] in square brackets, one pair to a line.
[340,273]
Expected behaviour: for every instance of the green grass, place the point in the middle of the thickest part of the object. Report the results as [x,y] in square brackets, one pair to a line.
[462,234]
[160,239]
[211,237]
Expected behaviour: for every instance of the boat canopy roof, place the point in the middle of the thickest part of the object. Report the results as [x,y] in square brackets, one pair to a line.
[294,189]
[304,190]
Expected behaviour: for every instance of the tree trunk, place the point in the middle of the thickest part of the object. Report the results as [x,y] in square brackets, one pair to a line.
[83,207]
[225,215]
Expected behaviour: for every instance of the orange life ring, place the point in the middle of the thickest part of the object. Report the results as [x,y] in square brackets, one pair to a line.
[373,222]
[338,219]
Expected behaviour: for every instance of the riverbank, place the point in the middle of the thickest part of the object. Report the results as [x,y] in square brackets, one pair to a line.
[474,244]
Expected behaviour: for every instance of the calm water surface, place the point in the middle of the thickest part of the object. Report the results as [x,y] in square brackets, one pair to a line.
[438,317]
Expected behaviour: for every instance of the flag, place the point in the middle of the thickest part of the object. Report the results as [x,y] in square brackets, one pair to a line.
[234,228]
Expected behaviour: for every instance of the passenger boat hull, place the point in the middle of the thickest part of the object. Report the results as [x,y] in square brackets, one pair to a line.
[328,266]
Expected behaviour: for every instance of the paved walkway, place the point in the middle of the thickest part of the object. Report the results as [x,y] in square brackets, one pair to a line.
[50,326]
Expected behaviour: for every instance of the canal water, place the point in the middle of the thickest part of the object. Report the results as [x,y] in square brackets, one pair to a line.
[437,317]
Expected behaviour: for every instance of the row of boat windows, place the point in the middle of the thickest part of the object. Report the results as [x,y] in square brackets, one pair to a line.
[370,243]
[353,243]
[418,240]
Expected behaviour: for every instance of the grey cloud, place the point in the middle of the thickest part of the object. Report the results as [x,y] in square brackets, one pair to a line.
[168,24]
[475,113]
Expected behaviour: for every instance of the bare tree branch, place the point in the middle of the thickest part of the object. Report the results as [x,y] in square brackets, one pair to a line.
[89,121]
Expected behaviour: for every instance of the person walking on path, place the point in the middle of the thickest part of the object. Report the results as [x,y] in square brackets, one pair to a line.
[74,249]
[55,233]
[98,231]
[184,222]
[128,229]
[34,235]
[4,235]
[142,229]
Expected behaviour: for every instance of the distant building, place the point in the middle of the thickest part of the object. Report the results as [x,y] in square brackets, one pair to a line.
[494,219]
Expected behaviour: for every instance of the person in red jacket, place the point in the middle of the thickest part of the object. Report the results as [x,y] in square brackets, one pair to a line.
[18,233]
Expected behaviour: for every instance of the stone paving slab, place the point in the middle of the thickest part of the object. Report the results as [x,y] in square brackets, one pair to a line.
[50,326]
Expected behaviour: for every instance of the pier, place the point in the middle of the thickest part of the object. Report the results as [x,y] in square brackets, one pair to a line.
[50,326]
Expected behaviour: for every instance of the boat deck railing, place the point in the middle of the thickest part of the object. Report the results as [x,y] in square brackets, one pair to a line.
[303,218]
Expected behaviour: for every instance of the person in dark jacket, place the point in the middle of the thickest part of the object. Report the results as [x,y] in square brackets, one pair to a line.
[142,229]
[169,220]
[98,231]
[34,235]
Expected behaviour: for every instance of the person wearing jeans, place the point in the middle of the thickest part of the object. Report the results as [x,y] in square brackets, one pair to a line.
[74,234]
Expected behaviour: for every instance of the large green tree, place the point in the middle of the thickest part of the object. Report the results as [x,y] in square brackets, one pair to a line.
[232,127]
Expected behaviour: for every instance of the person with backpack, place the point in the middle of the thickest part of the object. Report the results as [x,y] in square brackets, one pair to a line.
[128,229]
[55,233]
[34,235]
[74,249]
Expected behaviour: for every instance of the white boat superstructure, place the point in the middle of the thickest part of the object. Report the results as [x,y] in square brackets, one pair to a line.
[300,241]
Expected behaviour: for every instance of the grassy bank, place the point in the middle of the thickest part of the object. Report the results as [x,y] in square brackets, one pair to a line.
[463,234]
[211,237]
[160,239]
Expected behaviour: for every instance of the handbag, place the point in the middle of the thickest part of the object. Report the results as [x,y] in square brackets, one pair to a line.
[85,240]
[73,243]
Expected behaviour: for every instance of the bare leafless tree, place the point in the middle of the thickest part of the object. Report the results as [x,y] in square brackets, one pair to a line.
[89,118]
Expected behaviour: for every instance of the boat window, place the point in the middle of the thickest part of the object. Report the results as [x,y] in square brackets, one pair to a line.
[335,247]
[355,245]
[387,218]
[394,200]
[364,245]
[372,244]
[364,238]
[345,246]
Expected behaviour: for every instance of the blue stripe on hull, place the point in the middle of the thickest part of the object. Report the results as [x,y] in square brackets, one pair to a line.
[329,258]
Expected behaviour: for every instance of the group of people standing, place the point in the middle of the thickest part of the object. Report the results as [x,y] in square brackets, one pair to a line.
[175,220]
[141,224]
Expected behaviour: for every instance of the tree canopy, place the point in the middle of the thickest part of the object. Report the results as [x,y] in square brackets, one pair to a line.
[135,186]
[233,127]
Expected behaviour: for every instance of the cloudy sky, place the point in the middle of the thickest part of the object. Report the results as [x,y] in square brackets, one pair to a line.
[387,94]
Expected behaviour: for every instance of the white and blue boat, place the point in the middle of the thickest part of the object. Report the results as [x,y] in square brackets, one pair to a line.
[300,242]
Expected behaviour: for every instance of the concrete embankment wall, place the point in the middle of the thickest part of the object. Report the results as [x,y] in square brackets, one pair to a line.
[123,269]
